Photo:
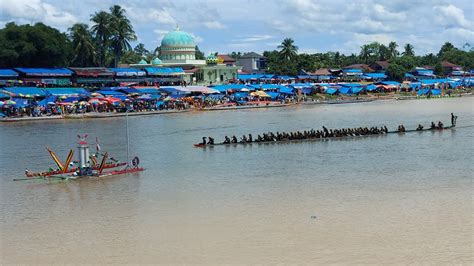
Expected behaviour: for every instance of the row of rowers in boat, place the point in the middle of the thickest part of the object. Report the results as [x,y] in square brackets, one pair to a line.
[314,134]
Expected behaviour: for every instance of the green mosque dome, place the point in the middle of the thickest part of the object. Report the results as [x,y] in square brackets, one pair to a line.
[178,38]
[143,62]
[211,59]
[156,62]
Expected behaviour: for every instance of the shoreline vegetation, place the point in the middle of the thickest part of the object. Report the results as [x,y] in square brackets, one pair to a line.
[311,100]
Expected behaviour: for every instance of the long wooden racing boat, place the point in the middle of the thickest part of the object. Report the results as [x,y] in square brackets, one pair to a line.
[200,145]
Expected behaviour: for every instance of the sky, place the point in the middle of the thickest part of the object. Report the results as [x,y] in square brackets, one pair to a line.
[259,25]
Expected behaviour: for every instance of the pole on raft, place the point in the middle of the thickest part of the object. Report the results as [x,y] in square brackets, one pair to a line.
[128,142]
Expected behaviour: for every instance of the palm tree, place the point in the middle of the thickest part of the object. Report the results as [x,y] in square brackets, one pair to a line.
[392,49]
[121,32]
[83,45]
[101,30]
[408,50]
[288,49]
[365,52]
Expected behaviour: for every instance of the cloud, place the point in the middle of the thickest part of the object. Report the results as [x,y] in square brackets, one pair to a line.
[214,25]
[32,11]
[451,16]
[150,15]
[254,38]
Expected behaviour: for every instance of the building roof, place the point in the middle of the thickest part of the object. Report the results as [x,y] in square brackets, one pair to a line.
[92,71]
[252,55]
[45,71]
[382,64]
[322,72]
[226,58]
[363,67]
[448,64]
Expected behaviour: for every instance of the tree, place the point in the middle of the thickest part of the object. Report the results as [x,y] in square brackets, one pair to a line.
[383,53]
[438,69]
[408,50]
[121,32]
[141,50]
[33,46]
[101,30]
[199,54]
[392,49]
[235,55]
[288,49]
[447,46]
[369,52]
[396,72]
[83,45]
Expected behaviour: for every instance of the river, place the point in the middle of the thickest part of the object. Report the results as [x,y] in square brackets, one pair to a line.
[383,199]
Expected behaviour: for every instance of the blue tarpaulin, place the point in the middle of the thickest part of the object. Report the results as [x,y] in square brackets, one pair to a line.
[4,96]
[272,94]
[67,91]
[215,96]
[286,90]
[45,71]
[23,91]
[110,93]
[128,72]
[164,71]
[371,87]
[375,75]
[8,73]
[226,87]
[436,92]
[46,101]
[240,95]
[331,90]
[20,103]
[149,90]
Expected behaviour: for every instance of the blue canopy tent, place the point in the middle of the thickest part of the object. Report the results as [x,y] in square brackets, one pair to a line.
[331,91]
[250,76]
[371,87]
[128,72]
[45,71]
[423,91]
[273,95]
[351,88]
[149,90]
[4,96]
[374,76]
[286,90]
[23,91]
[240,95]
[48,100]
[68,92]
[111,93]
[20,102]
[436,92]
[226,87]
[8,73]
[164,71]
[215,96]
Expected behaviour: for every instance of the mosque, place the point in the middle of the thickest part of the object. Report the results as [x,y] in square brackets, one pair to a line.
[178,52]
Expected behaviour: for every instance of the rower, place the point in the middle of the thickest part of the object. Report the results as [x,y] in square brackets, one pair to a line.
[204,141]
[453,119]
[250,138]
[440,125]
[433,126]
[244,139]
[226,140]
[211,141]
[419,128]
[234,139]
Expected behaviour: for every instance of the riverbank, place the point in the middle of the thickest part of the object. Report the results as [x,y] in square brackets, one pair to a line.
[264,104]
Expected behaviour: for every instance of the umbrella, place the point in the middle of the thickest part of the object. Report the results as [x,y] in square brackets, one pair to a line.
[244,89]
[167,99]
[112,100]
[96,100]
[9,102]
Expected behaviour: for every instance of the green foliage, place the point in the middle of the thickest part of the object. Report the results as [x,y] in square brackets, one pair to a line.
[199,54]
[288,50]
[83,45]
[409,50]
[396,72]
[235,55]
[33,46]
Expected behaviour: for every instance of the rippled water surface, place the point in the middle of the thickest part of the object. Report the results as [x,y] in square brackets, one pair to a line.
[383,199]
